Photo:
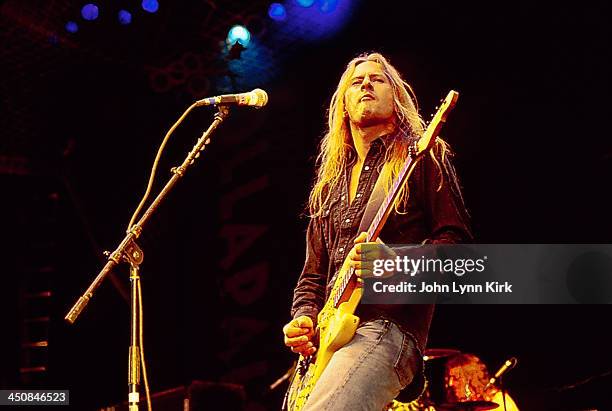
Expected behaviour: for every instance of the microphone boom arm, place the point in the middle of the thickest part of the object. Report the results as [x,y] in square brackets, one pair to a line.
[127,248]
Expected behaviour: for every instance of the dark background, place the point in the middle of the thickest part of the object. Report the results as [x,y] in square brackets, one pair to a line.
[82,116]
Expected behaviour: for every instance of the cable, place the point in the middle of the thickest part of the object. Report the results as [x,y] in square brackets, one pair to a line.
[155,163]
[142,358]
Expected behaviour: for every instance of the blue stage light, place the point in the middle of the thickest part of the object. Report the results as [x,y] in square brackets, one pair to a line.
[305,3]
[125,17]
[277,12]
[72,27]
[150,5]
[325,19]
[239,34]
[89,11]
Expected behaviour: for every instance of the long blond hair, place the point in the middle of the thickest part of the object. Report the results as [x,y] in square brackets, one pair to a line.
[337,142]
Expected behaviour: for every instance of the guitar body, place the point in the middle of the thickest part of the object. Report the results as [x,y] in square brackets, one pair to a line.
[336,322]
[335,328]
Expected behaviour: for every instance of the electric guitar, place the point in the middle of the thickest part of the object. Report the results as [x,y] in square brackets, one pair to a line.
[336,322]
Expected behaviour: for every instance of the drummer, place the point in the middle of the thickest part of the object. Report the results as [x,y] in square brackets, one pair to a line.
[466,378]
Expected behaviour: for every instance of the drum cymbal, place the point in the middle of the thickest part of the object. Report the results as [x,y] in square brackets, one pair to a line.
[433,353]
[467,406]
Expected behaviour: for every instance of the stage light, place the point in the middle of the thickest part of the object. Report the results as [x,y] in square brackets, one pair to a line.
[125,17]
[72,27]
[277,12]
[89,11]
[239,34]
[305,3]
[150,5]
[323,20]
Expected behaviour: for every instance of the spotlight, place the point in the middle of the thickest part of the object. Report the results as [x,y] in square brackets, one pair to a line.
[89,11]
[277,12]
[324,19]
[239,34]
[150,5]
[72,27]
[125,17]
[305,3]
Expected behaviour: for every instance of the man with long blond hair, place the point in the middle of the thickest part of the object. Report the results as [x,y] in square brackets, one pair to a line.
[372,120]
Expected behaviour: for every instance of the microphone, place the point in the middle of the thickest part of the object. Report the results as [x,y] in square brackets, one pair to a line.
[256,98]
[508,365]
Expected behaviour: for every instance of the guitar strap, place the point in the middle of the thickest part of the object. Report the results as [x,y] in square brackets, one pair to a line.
[374,202]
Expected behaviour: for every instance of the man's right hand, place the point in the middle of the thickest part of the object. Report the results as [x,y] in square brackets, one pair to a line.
[298,335]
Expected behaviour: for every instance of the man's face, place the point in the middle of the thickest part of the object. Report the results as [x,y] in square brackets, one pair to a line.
[369,97]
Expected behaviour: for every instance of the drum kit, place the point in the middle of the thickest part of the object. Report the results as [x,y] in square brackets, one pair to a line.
[435,395]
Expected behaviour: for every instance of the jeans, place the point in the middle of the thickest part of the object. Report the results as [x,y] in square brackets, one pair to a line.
[368,372]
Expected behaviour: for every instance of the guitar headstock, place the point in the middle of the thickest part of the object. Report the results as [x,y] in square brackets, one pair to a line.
[439,118]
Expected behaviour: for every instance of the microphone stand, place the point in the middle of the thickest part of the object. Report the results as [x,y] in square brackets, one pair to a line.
[503,390]
[128,251]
